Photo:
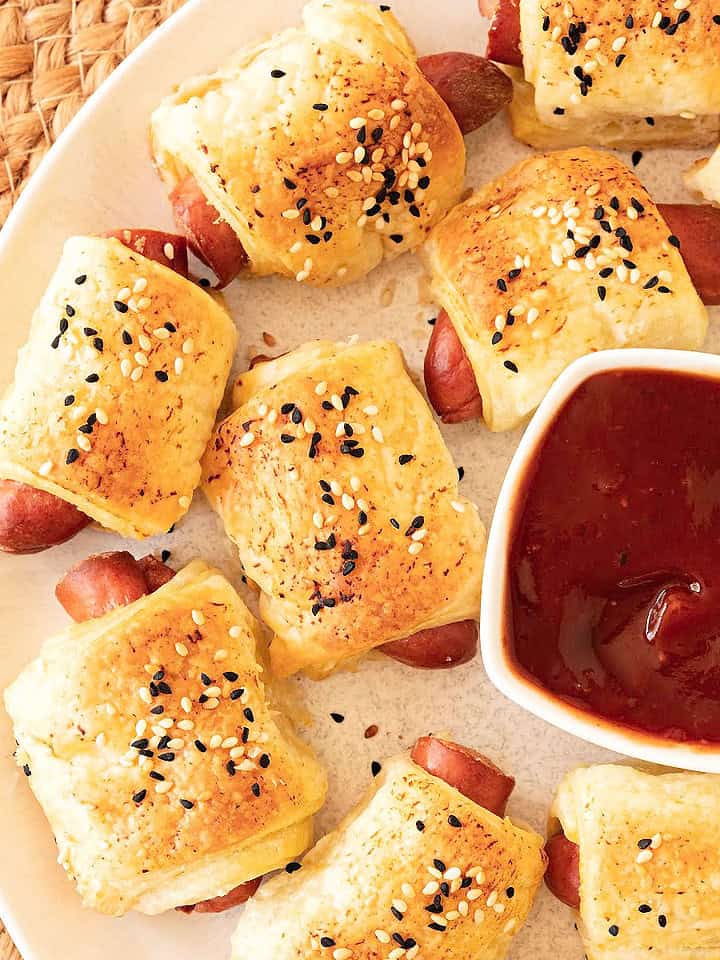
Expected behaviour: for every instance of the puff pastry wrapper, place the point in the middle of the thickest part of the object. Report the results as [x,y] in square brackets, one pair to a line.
[280,157]
[136,469]
[322,510]
[519,291]
[124,837]
[607,810]
[598,85]
[378,860]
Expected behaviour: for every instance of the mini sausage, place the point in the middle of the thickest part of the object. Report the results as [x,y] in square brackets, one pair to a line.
[236,896]
[473,88]
[438,647]
[210,237]
[105,581]
[504,35]
[563,871]
[32,520]
[449,379]
[468,771]
[697,228]
[168,249]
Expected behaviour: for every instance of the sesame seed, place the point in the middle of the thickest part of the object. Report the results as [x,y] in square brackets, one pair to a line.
[613,930]
[198,617]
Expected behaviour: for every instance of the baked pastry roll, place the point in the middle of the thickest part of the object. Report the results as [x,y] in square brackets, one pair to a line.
[416,867]
[165,773]
[335,484]
[703,177]
[116,391]
[324,150]
[618,74]
[647,852]
[564,254]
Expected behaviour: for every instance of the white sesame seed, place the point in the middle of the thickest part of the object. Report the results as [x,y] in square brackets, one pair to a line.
[342,158]
[574,266]
[83,442]
[347,501]
[382,936]
[144,695]
[398,104]
[415,548]
[532,315]
[356,123]
[363,530]
[125,367]
[377,434]
[539,211]
[163,787]
[400,905]
[184,502]
[229,742]
[321,388]
[141,359]
[336,401]
[290,214]
[45,468]
[143,303]
[419,535]
[499,908]
[474,894]
[237,752]
[510,925]
[165,723]
[592,44]
[198,617]
[376,114]
[394,122]
[181,649]
[140,285]
[123,294]
[355,483]
[176,743]
[169,251]
[656,841]
[161,333]
[688,115]
[453,873]
[185,724]
[220,655]
[211,704]
[247,438]
[396,953]
[318,520]
[430,888]
[492,899]
[657,18]
[452,915]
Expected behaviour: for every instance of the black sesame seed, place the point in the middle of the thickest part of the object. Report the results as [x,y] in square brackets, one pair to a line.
[396,913]
[139,796]
[301,203]
[510,893]
[245,735]
[337,717]
[296,416]
[602,292]
[158,709]
[81,279]
[644,843]
[92,378]
[69,400]
[629,22]
[606,272]
[154,775]
[289,183]
[619,59]
[396,237]
[404,458]
[636,157]
[324,485]
[437,926]
[613,930]
[255,789]
[394,523]
[375,768]
[326,941]
[161,375]
[320,106]
[453,821]
[200,746]
[170,326]
[55,342]
[419,826]
[230,767]
[439,865]
[188,804]
[663,289]
[673,241]
[501,285]
[249,715]
[26,770]
[662,920]
[140,744]
[98,344]
[509,365]
[287,438]
[716,19]
[559,111]
[167,757]
[236,694]
[164,687]
[292,867]
[120,306]
[230,675]
[348,568]
[264,761]
[72,455]
[644,908]
[546,24]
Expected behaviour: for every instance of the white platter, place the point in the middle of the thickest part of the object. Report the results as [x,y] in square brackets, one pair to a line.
[98,177]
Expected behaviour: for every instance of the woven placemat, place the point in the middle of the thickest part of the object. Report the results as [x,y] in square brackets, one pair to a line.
[53,56]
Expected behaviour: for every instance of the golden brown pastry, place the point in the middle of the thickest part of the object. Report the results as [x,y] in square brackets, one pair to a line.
[417,869]
[647,847]
[617,73]
[324,149]
[167,776]
[116,391]
[335,484]
[703,177]
[564,254]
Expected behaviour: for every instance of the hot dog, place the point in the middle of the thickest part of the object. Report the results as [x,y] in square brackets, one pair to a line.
[563,870]
[504,35]
[697,228]
[233,898]
[212,239]
[32,520]
[467,770]
[437,648]
[108,580]
[168,249]
[449,379]
[473,87]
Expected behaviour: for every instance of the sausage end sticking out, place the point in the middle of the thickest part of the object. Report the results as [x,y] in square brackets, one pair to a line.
[449,379]
[697,228]
[212,239]
[32,520]
[504,34]
[104,581]
[233,898]
[563,871]
[168,249]
[474,89]
[468,771]
[437,648]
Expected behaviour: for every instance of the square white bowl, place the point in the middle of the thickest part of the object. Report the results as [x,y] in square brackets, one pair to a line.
[506,675]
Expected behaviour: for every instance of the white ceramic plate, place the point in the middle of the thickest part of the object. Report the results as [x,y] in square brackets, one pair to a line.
[97,177]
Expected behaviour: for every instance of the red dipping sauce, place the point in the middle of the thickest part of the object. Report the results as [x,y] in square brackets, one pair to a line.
[615,558]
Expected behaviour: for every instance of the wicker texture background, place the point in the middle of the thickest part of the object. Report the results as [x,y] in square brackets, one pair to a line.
[53,56]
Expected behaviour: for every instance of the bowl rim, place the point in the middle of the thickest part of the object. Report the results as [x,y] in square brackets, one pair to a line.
[508,678]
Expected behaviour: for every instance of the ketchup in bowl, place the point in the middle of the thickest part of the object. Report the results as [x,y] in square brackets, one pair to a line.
[615,559]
